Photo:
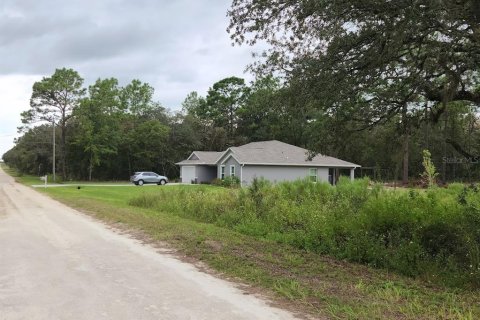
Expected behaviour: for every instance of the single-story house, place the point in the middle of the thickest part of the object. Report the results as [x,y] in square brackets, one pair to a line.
[273,160]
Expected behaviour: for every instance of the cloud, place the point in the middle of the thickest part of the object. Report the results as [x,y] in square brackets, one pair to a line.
[182,41]
[176,46]
[15,91]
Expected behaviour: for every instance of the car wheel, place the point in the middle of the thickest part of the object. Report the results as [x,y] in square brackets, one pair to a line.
[140,182]
[162,182]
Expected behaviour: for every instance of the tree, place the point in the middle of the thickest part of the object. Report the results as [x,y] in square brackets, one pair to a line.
[369,54]
[260,113]
[136,98]
[150,145]
[98,120]
[223,101]
[53,100]
[32,153]
[192,103]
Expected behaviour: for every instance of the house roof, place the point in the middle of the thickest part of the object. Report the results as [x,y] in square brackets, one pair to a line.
[202,157]
[279,153]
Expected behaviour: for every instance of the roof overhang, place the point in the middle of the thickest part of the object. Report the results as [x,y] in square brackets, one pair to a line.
[303,165]
[195,164]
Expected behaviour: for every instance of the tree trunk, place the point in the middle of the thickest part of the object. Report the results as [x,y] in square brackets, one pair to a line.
[405,158]
[129,165]
[427,128]
[445,141]
[90,168]
[406,138]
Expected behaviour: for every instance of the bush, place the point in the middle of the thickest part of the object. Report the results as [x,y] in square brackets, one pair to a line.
[216,182]
[231,182]
[432,233]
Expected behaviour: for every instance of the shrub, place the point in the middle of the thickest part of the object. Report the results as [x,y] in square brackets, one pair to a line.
[429,171]
[216,182]
[432,233]
[231,182]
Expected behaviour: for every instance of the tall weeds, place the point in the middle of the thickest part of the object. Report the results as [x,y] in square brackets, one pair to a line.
[433,234]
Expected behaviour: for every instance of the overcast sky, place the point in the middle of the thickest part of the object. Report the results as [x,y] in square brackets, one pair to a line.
[177,46]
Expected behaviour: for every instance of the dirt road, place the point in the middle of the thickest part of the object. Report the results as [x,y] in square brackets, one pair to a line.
[56,263]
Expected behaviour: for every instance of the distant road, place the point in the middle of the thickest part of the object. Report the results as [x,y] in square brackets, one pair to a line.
[56,263]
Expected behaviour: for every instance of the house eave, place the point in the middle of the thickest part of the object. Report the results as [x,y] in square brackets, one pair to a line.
[196,164]
[301,165]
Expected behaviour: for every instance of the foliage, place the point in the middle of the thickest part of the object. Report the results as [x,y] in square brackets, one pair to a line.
[429,47]
[428,234]
[33,151]
[136,98]
[361,64]
[429,174]
[96,119]
[221,105]
[113,131]
[53,100]
[318,285]
[231,182]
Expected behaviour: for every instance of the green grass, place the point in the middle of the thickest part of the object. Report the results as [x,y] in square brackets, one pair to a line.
[433,234]
[302,280]
[34,180]
[25,179]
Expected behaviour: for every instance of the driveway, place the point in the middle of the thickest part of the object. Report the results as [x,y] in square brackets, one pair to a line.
[60,185]
[57,263]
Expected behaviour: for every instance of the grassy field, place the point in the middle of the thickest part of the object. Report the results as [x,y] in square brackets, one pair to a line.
[296,278]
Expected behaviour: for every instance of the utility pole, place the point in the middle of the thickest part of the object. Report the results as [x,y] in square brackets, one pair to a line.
[53,157]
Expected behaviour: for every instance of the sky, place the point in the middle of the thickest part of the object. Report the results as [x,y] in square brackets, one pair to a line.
[176,46]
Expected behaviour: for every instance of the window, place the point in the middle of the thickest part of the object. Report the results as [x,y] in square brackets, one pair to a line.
[232,171]
[222,172]
[313,175]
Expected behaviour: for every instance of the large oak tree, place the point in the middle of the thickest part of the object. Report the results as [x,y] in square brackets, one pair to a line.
[370,60]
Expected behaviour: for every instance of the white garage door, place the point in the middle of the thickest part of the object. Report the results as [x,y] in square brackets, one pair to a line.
[188,174]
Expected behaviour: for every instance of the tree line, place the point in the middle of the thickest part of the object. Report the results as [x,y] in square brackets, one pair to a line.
[368,81]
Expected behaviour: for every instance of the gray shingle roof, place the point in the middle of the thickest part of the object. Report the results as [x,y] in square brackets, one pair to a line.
[204,157]
[279,153]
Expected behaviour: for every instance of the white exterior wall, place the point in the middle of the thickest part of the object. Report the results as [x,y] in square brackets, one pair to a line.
[187,173]
[281,173]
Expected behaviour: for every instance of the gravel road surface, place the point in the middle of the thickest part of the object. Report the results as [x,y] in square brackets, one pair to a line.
[57,263]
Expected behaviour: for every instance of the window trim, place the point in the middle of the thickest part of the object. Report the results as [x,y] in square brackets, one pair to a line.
[313,177]
[222,172]
[232,172]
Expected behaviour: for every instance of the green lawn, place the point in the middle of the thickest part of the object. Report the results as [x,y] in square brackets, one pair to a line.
[299,280]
